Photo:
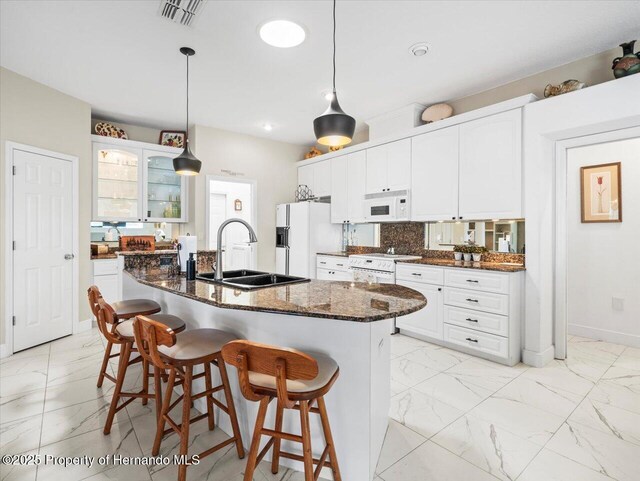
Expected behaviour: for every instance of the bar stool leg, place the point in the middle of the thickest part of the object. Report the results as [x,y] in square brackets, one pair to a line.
[157,388]
[145,380]
[125,350]
[326,428]
[306,441]
[255,442]
[224,377]
[105,363]
[209,398]
[186,417]
[275,457]
[165,409]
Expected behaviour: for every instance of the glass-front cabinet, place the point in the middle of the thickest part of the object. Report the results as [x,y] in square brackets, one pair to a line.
[134,183]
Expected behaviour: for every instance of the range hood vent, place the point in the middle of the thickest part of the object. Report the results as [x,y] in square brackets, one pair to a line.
[183,12]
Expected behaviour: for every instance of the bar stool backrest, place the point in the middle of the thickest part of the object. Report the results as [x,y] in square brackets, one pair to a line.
[107,318]
[150,334]
[282,363]
[93,293]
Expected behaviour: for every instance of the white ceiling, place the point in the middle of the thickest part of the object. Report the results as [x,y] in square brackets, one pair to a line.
[123,59]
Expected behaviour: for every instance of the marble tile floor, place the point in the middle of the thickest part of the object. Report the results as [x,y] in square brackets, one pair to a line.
[452,417]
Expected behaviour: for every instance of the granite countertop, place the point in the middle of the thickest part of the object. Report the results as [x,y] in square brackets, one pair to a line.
[115,254]
[487,266]
[334,254]
[348,301]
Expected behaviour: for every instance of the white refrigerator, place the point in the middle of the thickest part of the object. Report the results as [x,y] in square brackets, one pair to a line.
[302,230]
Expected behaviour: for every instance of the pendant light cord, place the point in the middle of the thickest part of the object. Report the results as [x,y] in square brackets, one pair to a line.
[187,128]
[334,47]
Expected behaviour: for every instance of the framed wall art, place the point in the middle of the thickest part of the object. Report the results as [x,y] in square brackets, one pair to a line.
[601,193]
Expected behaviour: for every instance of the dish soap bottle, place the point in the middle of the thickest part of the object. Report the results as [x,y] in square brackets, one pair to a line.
[191,268]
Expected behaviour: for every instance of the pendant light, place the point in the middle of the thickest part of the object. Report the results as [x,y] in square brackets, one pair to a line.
[334,127]
[187,163]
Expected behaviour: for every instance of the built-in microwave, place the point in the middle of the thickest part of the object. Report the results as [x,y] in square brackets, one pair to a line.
[387,206]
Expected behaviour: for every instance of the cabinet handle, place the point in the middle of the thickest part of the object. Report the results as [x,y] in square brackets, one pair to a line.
[471,320]
[439,289]
[453,218]
[472,300]
[341,265]
[471,340]
[416,274]
[460,217]
[472,280]
[322,262]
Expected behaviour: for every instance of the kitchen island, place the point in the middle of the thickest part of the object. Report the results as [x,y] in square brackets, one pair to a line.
[350,322]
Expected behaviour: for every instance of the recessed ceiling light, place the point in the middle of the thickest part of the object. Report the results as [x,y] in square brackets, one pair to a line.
[268,127]
[282,33]
[419,49]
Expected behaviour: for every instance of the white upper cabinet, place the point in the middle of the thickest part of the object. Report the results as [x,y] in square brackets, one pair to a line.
[317,177]
[347,187]
[136,184]
[388,167]
[434,175]
[305,176]
[490,166]
[322,179]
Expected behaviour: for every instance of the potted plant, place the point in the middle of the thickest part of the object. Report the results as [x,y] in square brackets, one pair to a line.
[477,253]
[457,252]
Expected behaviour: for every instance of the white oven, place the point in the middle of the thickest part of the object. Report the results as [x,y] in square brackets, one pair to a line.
[387,206]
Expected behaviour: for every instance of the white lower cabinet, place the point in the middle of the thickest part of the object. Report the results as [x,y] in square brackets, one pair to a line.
[105,277]
[426,321]
[475,311]
[333,268]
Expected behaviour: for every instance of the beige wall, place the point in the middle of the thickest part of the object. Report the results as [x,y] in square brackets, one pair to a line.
[270,163]
[33,114]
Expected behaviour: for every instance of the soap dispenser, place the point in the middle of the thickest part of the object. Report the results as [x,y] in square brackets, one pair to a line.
[191,268]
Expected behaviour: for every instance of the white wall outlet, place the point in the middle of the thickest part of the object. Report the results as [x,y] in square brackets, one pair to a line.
[617,303]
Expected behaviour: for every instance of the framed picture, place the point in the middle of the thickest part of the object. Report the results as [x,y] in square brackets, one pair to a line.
[173,138]
[601,193]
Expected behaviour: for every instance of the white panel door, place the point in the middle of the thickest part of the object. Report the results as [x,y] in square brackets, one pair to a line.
[376,169]
[428,321]
[322,179]
[356,180]
[43,255]
[490,167]
[434,175]
[399,165]
[339,194]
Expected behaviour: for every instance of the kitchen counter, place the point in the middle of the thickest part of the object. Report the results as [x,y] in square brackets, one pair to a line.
[487,266]
[347,301]
[312,317]
[334,254]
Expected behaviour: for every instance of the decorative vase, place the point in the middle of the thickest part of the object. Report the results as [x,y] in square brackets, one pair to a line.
[477,257]
[629,63]
[457,256]
[467,257]
[563,88]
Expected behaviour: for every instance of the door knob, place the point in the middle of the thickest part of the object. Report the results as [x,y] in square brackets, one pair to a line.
[69,256]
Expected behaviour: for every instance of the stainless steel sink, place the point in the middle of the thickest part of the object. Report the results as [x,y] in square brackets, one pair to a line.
[252,279]
[210,276]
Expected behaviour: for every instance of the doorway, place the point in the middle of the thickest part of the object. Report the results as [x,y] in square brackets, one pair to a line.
[596,276]
[42,242]
[226,199]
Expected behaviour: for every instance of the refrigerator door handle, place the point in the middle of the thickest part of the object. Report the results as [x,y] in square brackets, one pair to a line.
[286,262]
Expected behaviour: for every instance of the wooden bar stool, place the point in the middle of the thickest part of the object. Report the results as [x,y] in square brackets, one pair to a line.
[297,380]
[180,354]
[121,333]
[126,309]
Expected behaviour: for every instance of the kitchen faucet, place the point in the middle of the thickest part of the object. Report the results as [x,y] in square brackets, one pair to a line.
[252,239]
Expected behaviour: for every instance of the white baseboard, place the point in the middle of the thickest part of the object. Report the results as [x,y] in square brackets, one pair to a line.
[604,335]
[538,359]
[4,351]
[83,326]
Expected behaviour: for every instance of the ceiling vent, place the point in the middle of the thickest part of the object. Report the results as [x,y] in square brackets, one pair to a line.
[183,12]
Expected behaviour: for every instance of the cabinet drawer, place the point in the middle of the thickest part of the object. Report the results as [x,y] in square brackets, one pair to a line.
[418,273]
[477,280]
[481,301]
[105,267]
[333,262]
[477,341]
[482,321]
